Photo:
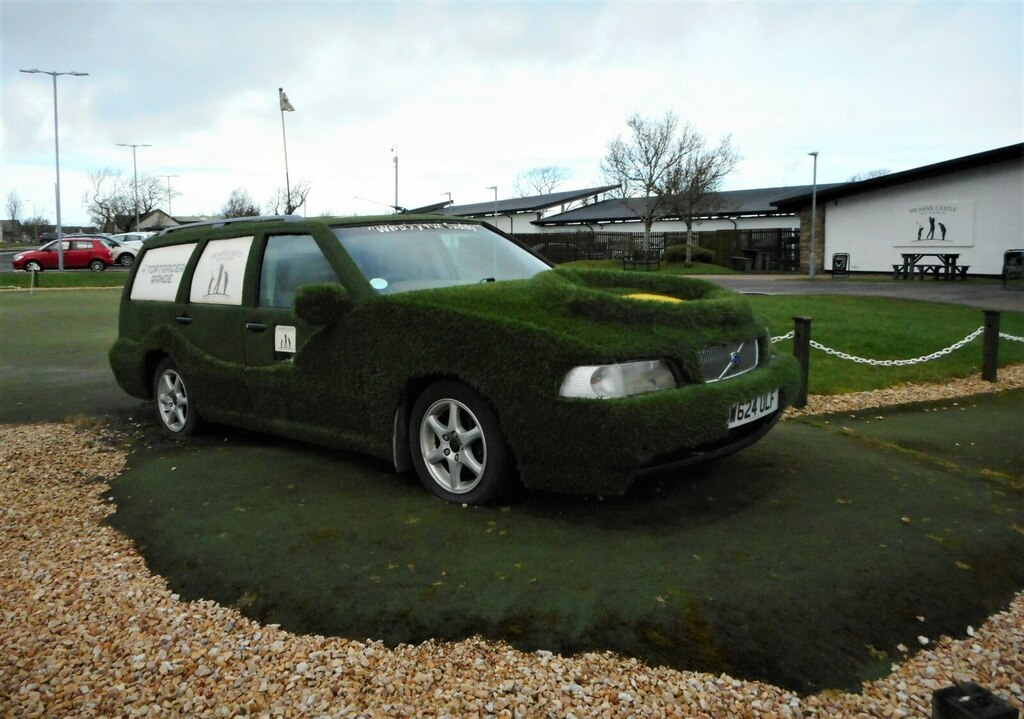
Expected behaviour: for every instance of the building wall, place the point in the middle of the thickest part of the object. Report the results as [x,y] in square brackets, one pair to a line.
[981,210]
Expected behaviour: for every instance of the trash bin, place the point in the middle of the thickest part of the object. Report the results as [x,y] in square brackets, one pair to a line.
[968,700]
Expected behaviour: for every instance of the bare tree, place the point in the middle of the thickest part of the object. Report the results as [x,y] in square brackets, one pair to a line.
[870,174]
[240,204]
[35,225]
[111,201]
[691,186]
[14,206]
[284,204]
[540,181]
[644,162]
[105,201]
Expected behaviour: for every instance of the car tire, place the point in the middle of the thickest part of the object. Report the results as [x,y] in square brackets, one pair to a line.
[175,406]
[457,446]
[127,259]
[33,266]
[97,265]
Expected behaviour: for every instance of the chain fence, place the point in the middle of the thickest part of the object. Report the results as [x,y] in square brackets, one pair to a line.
[899,362]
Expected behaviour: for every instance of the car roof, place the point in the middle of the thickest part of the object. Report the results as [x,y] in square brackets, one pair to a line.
[275,222]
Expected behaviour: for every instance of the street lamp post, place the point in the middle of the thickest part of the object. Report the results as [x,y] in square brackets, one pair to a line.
[394,150]
[135,170]
[56,152]
[168,192]
[814,210]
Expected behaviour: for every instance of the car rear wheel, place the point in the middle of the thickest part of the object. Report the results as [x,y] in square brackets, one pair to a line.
[126,259]
[174,408]
[457,446]
[97,265]
[33,266]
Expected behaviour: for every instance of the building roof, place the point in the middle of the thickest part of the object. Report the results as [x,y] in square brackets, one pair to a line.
[968,162]
[534,203]
[729,203]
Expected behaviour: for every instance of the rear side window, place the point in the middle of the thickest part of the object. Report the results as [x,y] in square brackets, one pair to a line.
[160,271]
[82,245]
[290,261]
[220,272]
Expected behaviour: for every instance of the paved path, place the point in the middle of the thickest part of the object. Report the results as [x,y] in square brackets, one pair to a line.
[986,296]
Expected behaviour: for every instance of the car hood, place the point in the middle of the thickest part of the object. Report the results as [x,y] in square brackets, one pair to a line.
[614,315]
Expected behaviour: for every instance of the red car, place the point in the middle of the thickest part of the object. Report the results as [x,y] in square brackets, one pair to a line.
[79,253]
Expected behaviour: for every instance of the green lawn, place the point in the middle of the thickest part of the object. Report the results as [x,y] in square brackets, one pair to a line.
[68,278]
[885,328]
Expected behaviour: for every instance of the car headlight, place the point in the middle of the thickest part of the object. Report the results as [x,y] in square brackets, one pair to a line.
[617,380]
[18,257]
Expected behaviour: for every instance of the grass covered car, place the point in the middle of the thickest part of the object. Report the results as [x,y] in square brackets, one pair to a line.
[445,346]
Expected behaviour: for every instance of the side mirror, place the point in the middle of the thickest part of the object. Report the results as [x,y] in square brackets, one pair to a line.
[322,304]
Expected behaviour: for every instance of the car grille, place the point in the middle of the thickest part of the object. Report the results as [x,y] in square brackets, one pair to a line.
[726,361]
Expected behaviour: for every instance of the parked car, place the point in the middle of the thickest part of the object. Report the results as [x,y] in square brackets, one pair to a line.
[446,347]
[124,254]
[132,239]
[79,253]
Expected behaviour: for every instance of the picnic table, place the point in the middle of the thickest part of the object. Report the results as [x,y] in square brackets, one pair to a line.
[946,268]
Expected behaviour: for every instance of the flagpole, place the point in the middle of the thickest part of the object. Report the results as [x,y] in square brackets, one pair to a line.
[284,140]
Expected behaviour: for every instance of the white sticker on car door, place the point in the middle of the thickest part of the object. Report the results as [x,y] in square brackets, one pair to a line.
[284,339]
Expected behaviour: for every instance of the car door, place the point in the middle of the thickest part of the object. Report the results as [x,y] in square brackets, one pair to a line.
[275,336]
[213,322]
[78,255]
[49,255]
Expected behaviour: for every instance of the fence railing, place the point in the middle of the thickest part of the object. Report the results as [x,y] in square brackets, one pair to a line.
[802,345]
[783,244]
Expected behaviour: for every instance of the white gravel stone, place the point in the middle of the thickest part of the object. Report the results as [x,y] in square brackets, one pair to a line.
[87,631]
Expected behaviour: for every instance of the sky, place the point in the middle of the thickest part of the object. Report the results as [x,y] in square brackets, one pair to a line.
[473,94]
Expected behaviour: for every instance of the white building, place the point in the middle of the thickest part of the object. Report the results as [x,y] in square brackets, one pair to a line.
[972,206]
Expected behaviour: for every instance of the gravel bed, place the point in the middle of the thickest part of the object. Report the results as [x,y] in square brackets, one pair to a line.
[87,631]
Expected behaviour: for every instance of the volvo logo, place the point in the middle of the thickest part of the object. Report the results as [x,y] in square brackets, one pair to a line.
[734,359]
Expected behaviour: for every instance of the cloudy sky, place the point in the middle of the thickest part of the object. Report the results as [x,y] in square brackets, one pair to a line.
[475,93]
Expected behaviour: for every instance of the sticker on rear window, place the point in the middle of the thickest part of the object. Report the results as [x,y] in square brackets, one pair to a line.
[160,273]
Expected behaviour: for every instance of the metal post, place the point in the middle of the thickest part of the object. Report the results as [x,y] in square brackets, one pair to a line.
[802,352]
[284,141]
[990,347]
[814,212]
[169,193]
[56,152]
[394,149]
[135,173]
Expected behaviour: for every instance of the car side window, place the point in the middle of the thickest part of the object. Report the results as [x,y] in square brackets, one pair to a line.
[82,245]
[290,261]
[220,272]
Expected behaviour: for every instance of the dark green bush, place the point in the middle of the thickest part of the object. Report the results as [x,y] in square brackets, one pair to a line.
[677,253]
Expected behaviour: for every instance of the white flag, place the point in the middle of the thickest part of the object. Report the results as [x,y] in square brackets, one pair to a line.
[285,105]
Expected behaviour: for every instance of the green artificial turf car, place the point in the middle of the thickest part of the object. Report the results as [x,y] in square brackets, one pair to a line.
[445,346]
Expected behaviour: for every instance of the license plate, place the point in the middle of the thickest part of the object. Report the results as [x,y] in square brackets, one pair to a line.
[743,412]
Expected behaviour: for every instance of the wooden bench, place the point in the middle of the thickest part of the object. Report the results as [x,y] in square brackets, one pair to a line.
[960,272]
[648,261]
[900,272]
[1013,269]
[936,271]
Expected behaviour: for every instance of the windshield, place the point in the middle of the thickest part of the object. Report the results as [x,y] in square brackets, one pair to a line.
[401,257]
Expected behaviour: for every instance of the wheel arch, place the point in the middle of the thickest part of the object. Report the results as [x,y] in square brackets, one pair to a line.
[401,454]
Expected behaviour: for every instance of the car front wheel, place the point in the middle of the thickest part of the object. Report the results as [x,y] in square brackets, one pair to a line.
[457,446]
[97,265]
[174,406]
[33,266]
[126,260]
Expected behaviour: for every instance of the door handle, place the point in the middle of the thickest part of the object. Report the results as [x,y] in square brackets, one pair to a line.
[183,320]
[255,326]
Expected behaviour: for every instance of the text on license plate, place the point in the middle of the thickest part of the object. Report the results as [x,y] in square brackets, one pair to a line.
[754,408]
